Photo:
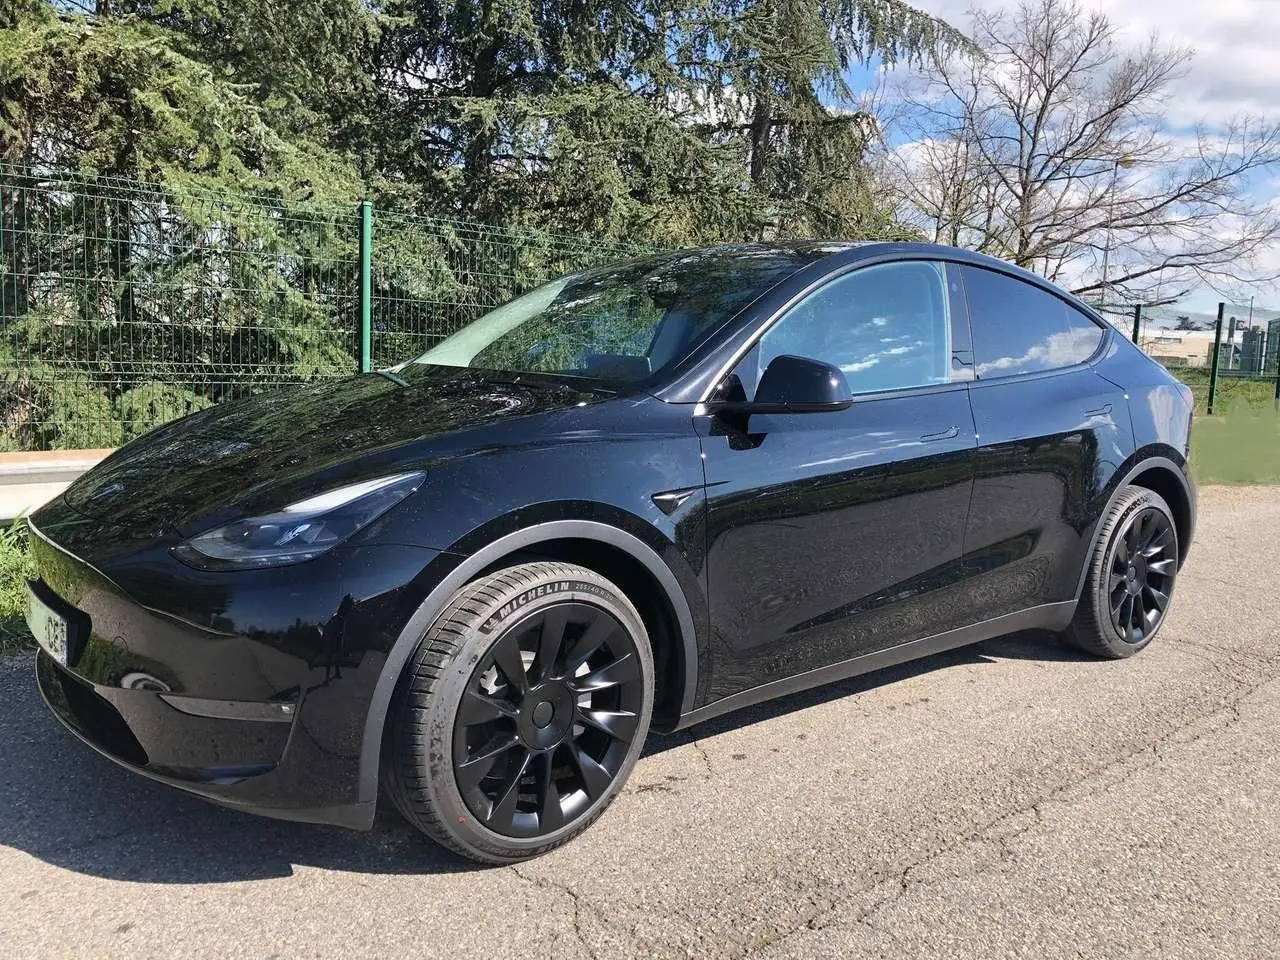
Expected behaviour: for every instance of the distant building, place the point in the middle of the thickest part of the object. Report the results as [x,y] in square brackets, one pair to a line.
[1187,348]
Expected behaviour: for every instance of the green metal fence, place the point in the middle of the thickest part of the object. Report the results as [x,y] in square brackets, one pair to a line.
[124,304]
[1227,369]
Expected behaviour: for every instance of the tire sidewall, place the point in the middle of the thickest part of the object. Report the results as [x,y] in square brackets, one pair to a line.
[1101,597]
[438,778]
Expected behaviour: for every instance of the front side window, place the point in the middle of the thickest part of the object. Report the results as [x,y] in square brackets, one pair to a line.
[888,327]
[1019,328]
[622,323]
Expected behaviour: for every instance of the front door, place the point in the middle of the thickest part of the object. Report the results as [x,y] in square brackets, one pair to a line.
[832,535]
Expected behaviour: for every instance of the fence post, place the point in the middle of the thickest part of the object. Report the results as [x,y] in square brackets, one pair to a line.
[364,345]
[1213,369]
[1137,322]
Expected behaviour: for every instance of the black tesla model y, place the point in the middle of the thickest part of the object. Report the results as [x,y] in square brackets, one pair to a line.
[632,499]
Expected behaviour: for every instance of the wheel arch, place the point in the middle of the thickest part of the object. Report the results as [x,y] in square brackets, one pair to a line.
[611,552]
[1164,476]
[1166,480]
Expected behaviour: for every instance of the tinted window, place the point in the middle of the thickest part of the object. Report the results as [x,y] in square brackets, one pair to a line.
[1018,328]
[886,327]
[619,323]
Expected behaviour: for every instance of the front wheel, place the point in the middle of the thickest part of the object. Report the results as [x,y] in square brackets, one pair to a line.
[521,713]
[1130,579]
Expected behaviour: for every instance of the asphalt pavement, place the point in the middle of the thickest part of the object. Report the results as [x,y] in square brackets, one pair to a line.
[1013,799]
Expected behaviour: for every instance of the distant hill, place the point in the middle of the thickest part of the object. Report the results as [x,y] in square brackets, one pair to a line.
[1166,318]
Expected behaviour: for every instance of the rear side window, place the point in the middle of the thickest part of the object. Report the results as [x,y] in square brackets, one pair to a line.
[1019,328]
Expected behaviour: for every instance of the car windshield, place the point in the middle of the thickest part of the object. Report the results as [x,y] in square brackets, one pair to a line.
[620,323]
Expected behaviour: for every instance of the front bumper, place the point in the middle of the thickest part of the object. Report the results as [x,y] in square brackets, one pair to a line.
[251,690]
[258,766]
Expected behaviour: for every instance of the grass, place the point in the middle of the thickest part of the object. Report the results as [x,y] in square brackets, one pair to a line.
[1234,393]
[1240,443]
[15,567]
[1242,446]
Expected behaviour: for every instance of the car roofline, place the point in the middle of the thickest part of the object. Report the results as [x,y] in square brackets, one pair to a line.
[684,382]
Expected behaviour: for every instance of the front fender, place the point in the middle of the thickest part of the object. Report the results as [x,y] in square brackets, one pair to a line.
[473,564]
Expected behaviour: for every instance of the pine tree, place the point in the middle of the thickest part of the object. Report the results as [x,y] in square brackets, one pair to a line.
[674,123]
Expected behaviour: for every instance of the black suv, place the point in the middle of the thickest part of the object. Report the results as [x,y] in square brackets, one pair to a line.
[633,498]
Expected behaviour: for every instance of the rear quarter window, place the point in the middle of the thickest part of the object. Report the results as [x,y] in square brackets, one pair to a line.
[1019,328]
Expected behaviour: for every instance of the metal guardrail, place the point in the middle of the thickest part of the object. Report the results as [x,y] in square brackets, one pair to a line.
[28,480]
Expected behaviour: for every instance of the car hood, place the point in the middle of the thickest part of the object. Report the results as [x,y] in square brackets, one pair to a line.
[261,453]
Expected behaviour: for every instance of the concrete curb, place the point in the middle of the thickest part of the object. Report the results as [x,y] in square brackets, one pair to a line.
[28,480]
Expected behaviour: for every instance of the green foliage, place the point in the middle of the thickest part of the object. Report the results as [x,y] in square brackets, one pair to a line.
[255,126]
[15,568]
[79,417]
[1235,393]
[115,287]
[672,123]
[43,408]
[125,95]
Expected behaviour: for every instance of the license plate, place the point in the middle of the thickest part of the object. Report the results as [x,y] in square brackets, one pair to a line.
[47,626]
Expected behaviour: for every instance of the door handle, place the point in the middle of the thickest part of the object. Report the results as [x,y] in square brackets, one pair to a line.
[1101,411]
[949,434]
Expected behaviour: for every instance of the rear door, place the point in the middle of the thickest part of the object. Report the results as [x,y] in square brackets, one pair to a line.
[1050,431]
[837,534]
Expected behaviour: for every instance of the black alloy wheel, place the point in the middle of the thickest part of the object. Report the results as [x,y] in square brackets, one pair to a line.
[1143,565]
[548,718]
[521,713]
[1130,579]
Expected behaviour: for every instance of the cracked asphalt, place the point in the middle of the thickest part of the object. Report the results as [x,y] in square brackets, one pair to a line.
[1013,799]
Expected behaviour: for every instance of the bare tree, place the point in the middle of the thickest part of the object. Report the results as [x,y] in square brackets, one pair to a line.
[1052,150]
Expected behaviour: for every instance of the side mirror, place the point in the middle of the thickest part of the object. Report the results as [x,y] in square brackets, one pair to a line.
[794,385]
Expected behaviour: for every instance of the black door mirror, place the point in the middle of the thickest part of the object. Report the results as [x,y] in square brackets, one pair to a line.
[794,385]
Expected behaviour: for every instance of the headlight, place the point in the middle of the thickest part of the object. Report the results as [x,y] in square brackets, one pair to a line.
[300,531]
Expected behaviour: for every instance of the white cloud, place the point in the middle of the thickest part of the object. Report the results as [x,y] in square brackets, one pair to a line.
[1235,69]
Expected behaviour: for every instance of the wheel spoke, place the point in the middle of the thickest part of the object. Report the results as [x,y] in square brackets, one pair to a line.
[623,670]
[1136,618]
[1148,529]
[477,766]
[550,813]
[503,811]
[1156,545]
[1122,553]
[1124,613]
[594,778]
[1164,568]
[1115,581]
[477,708]
[600,630]
[550,638]
[619,724]
[1131,538]
[506,654]
[1150,619]
[1159,597]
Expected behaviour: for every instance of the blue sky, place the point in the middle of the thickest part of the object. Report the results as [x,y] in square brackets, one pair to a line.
[1235,70]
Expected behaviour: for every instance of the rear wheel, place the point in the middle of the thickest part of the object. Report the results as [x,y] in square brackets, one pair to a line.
[521,713]
[1131,577]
